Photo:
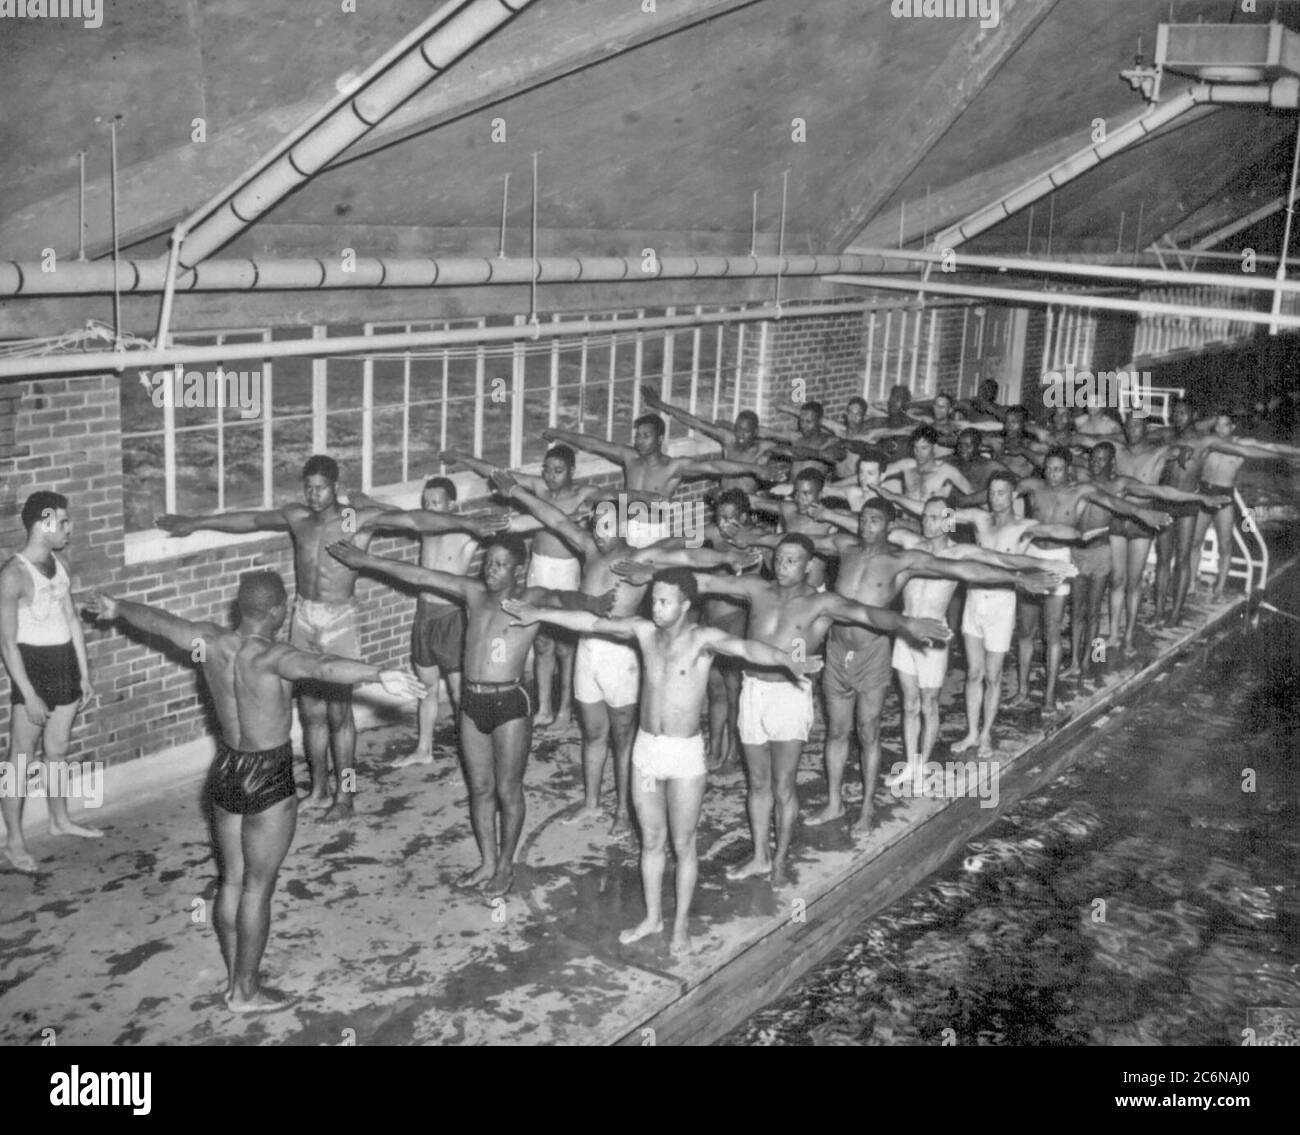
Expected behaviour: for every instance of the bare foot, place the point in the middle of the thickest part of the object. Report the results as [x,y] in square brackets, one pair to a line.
[621,827]
[680,945]
[967,742]
[825,815]
[641,930]
[780,873]
[1071,671]
[265,1000]
[583,814]
[986,749]
[748,869]
[20,859]
[414,757]
[78,830]
[862,826]
[472,880]
[543,719]
[503,878]
[339,813]
[314,800]
[1017,699]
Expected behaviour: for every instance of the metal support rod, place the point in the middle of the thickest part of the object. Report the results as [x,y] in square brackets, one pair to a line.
[753,225]
[1286,232]
[505,198]
[117,289]
[780,243]
[81,209]
[532,252]
[173,259]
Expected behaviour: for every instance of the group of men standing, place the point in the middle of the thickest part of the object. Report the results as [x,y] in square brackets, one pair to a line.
[744,623]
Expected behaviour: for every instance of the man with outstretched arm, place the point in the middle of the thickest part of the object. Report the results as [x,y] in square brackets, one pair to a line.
[739,441]
[448,542]
[324,613]
[551,564]
[776,714]
[668,758]
[650,475]
[606,673]
[496,708]
[250,677]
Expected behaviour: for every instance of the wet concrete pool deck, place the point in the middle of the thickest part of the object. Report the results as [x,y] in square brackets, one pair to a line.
[112,944]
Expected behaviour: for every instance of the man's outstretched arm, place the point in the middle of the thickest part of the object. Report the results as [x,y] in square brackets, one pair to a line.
[611,451]
[458,586]
[844,610]
[584,622]
[152,620]
[248,520]
[713,430]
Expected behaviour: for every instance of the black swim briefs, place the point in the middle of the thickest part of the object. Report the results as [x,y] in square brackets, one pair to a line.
[249,782]
[489,704]
[53,672]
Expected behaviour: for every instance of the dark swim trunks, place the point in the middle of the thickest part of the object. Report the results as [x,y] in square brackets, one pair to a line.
[53,672]
[438,636]
[489,704]
[249,782]
[1130,529]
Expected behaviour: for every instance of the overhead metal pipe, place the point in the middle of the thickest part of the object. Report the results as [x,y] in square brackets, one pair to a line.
[446,36]
[1281,93]
[98,362]
[1030,267]
[1020,296]
[143,277]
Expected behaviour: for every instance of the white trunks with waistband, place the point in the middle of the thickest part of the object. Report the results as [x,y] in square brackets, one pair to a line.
[657,757]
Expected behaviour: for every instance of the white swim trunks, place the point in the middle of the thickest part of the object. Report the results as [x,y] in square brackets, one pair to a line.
[990,614]
[929,664]
[1061,555]
[668,758]
[605,671]
[774,711]
[554,572]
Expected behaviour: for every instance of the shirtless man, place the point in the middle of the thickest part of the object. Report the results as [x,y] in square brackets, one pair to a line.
[739,441]
[945,422]
[975,466]
[984,406]
[1014,447]
[606,673]
[1220,455]
[858,666]
[1130,542]
[1094,421]
[668,759]
[1056,502]
[447,543]
[250,677]
[496,710]
[324,614]
[801,512]
[44,651]
[551,565]
[923,474]
[776,714]
[921,672]
[650,474]
[869,473]
[814,447]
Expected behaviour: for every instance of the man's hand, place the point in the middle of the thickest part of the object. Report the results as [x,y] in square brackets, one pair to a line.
[737,534]
[175,525]
[490,525]
[601,605]
[348,554]
[38,713]
[802,667]
[448,456]
[1090,534]
[521,614]
[1218,500]
[1153,519]
[87,692]
[742,559]
[926,631]
[550,435]
[650,398]
[633,572]
[503,481]
[1037,582]
[401,684]
[102,606]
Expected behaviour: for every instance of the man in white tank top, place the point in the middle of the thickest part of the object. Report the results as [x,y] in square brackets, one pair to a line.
[44,651]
